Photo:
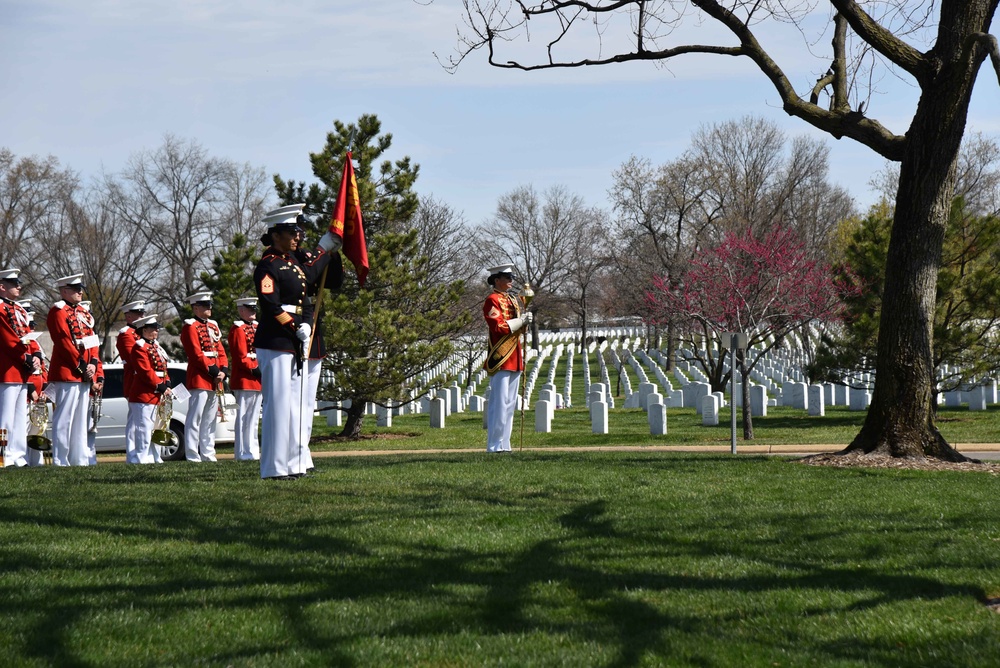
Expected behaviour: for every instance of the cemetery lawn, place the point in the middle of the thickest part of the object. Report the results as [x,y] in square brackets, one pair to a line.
[571,427]
[533,559]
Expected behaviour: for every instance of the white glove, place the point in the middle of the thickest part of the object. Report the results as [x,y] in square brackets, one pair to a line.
[515,324]
[303,332]
[528,317]
[330,242]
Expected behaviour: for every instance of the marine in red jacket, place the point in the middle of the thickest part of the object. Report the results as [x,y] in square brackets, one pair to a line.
[19,358]
[127,337]
[74,371]
[207,368]
[150,382]
[245,381]
[505,361]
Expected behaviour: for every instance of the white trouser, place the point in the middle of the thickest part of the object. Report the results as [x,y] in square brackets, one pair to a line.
[283,393]
[246,446]
[70,420]
[312,380]
[132,426]
[14,419]
[143,417]
[500,410]
[199,426]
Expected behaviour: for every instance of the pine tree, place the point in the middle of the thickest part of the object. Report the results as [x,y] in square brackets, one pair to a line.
[379,338]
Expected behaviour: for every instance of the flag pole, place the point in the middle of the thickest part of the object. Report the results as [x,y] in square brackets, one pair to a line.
[526,296]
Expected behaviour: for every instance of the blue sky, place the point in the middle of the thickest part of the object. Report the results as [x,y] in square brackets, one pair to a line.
[262,81]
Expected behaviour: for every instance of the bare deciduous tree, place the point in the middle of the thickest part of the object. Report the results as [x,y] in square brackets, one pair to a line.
[536,233]
[952,42]
[186,204]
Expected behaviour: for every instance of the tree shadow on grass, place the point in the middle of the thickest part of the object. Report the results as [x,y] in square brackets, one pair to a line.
[616,577]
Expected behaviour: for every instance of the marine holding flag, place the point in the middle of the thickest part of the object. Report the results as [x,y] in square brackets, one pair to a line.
[283,335]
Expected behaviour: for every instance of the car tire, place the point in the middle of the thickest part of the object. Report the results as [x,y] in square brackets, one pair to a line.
[174,453]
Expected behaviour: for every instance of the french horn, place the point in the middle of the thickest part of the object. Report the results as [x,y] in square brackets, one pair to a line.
[162,435]
[38,421]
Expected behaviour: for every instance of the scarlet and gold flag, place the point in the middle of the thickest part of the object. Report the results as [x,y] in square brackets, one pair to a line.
[347,224]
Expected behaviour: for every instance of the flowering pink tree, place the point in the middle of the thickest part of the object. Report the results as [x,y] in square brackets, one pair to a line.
[765,288]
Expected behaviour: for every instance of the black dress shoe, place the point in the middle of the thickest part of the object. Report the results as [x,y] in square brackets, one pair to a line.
[282,477]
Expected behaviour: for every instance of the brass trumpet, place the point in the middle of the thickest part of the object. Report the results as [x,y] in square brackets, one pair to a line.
[220,392]
[162,435]
[95,410]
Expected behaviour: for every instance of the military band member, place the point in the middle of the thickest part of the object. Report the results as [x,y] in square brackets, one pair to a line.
[150,383]
[39,378]
[206,373]
[282,285]
[245,381]
[125,342]
[75,371]
[505,362]
[18,360]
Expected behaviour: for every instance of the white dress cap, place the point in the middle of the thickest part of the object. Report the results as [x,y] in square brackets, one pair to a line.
[200,297]
[286,215]
[139,305]
[75,279]
[145,320]
[501,269]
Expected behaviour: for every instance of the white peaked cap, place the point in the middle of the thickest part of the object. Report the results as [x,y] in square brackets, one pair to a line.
[286,215]
[75,279]
[501,269]
[145,320]
[139,305]
[205,296]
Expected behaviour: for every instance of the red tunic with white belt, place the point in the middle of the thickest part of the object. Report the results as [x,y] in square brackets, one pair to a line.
[15,353]
[498,308]
[241,340]
[74,344]
[149,379]
[206,357]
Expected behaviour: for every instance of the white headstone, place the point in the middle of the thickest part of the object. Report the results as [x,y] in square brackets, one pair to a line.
[709,410]
[438,411]
[860,399]
[598,417]
[758,401]
[384,417]
[977,398]
[543,416]
[657,419]
[816,404]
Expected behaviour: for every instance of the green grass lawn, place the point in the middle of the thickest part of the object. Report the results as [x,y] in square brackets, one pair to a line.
[571,427]
[531,559]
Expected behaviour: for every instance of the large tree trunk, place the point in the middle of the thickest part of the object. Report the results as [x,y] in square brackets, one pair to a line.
[355,418]
[900,420]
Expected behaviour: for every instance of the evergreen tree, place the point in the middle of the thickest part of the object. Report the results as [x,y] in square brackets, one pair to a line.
[231,278]
[967,307]
[381,337]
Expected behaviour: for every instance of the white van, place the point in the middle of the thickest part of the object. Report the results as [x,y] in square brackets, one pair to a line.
[114,412]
